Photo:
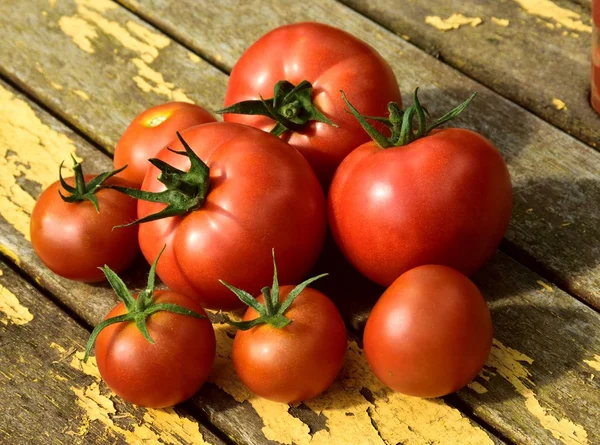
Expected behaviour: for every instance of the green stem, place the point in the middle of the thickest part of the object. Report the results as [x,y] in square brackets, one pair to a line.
[273,311]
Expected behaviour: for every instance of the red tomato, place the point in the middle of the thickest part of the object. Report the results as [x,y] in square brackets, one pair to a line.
[152,130]
[430,332]
[162,374]
[331,60]
[263,195]
[443,199]
[296,362]
[73,239]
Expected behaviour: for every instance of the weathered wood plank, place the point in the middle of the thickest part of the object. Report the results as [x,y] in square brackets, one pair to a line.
[49,396]
[536,53]
[559,236]
[32,145]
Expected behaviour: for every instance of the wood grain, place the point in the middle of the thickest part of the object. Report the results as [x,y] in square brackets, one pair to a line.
[49,397]
[226,403]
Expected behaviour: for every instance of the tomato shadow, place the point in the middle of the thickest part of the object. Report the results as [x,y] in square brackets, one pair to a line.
[541,337]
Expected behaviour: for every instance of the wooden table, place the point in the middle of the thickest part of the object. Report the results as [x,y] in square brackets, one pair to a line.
[75,72]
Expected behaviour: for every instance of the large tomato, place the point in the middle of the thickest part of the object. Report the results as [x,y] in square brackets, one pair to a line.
[74,238]
[444,198]
[331,60]
[152,130]
[430,332]
[292,347]
[262,195]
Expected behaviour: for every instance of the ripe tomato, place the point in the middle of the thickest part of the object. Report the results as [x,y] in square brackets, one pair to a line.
[444,198]
[152,130]
[430,332]
[73,239]
[154,350]
[262,194]
[330,59]
[290,347]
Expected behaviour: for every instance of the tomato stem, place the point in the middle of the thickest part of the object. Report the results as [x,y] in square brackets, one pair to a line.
[82,191]
[273,311]
[291,107]
[401,122]
[186,191]
[138,310]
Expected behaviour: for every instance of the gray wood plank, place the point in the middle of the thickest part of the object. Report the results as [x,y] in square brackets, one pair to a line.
[49,396]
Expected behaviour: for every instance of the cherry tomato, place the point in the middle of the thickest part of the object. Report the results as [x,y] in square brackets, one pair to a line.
[162,374]
[262,194]
[291,342]
[73,239]
[430,332]
[331,60]
[445,198]
[152,130]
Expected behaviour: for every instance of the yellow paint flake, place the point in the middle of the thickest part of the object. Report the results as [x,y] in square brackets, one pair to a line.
[594,363]
[545,286]
[98,5]
[3,249]
[81,94]
[550,10]
[455,21]
[151,80]
[80,31]
[477,387]
[30,149]
[152,38]
[194,58]
[12,308]
[559,104]
[51,3]
[501,22]
[509,364]
[349,415]
[56,85]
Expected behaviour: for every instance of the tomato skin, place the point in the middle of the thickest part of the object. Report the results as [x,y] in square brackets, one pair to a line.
[263,195]
[443,199]
[143,139]
[429,334]
[73,239]
[299,361]
[332,60]
[162,374]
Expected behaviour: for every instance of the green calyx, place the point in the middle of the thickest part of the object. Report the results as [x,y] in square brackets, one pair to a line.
[82,191]
[273,311]
[291,107]
[401,122]
[138,310]
[186,191]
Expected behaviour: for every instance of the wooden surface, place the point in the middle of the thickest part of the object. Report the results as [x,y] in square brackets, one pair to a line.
[95,66]
[49,396]
[544,162]
[534,52]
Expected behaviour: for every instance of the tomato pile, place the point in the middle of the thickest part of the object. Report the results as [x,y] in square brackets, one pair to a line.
[314,139]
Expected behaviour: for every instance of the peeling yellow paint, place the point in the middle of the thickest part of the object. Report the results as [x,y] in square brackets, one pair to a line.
[13,309]
[509,364]
[159,85]
[152,38]
[594,363]
[501,22]
[81,94]
[559,104]
[98,5]
[194,58]
[550,10]
[477,387]
[28,148]
[80,31]
[545,286]
[349,415]
[51,3]
[3,249]
[56,85]
[455,21]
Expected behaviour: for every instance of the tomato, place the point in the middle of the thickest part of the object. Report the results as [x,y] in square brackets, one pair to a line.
[262,194]
[444,198]
[430,332]
[330,59]
[152,130]
[154,350]
[73,239]
[291,349]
